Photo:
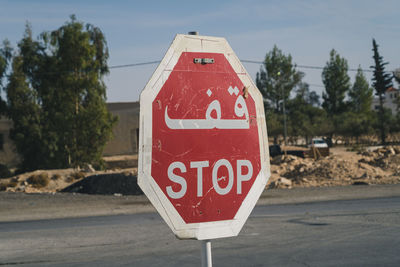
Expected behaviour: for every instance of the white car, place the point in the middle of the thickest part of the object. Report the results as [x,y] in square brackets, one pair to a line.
[318,142]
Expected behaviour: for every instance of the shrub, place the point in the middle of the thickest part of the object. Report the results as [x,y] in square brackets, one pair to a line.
[56,177]
[75,176]
[4,171]
[39,180]
[78,175]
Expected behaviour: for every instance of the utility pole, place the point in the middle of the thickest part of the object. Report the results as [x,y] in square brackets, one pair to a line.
[283,110]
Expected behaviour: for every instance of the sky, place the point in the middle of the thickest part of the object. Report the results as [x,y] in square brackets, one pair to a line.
[142,31]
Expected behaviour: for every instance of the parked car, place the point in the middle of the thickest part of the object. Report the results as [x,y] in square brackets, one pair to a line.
[318,142]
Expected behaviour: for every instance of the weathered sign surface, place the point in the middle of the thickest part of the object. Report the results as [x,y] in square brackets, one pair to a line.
[203,155]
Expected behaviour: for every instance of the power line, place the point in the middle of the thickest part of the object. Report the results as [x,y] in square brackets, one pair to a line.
[301,66]
[134,64]
[242,60]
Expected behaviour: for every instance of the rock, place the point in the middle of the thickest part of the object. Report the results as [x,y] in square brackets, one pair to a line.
[281,182]
[360,183]
[284,181]
[88,168]
[20,188]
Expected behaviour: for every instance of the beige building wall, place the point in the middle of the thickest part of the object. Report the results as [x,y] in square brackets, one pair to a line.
[389,100]
[126,132]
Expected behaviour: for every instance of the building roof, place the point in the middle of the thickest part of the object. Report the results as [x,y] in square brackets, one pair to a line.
[392,89]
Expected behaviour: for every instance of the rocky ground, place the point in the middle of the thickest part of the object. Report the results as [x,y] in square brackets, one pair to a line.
[380,166]
[73,180]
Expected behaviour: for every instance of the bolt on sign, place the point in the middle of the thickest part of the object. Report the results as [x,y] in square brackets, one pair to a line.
[203,155]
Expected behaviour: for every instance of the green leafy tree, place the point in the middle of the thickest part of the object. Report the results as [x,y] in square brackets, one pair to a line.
[358,119]
[274,124]
[382,81]
[337,84]
[396,76]
[277,78]
[360,94]
[306,118]
[56,97]
[5,58]
[25,111]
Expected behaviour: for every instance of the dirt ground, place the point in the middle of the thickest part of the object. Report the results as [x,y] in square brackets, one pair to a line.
[342,167]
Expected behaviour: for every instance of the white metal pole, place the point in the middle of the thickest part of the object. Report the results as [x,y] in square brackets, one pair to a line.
[206,259]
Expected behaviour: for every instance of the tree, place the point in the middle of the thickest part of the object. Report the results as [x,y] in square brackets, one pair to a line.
[277,78]
[381,82]
[337,83]
[56,97]
[308,97]
[358,119]
[5,58]
[396,76]
[360,94]
[305,116]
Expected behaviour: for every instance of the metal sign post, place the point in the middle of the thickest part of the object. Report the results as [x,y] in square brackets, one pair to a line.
[206,258]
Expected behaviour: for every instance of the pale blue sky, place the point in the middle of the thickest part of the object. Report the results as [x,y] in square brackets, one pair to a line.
[140,31]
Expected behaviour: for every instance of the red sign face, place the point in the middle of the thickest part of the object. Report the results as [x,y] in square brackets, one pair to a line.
[205,140]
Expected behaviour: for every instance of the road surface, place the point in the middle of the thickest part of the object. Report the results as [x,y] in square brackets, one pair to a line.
[351,232]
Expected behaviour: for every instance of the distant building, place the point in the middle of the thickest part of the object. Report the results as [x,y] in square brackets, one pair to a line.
[389,100]
[126,132]
[124,142]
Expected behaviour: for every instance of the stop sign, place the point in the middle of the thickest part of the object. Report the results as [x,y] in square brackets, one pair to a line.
[203,155]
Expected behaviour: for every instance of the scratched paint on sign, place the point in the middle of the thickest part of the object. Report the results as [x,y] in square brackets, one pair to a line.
[205,149]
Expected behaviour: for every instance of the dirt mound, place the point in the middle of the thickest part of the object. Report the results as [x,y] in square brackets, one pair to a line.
[377,167]
[342,167]
[106,184]
[51,181]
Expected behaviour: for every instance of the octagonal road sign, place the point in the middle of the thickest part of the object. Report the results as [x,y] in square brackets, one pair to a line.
[203,149]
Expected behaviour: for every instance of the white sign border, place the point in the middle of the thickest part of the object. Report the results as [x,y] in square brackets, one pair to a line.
[206,230]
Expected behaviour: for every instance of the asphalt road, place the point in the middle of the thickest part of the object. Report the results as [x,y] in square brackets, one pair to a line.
[352,232]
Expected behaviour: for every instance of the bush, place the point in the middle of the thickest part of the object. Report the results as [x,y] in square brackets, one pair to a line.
[4,171]
[56,177]
[78,175]
[39,180]
[75,176]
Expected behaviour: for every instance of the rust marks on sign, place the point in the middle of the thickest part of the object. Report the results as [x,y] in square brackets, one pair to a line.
[245,92]
[159,104]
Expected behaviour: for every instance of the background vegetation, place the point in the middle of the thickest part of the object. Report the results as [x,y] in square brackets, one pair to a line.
[56,97]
